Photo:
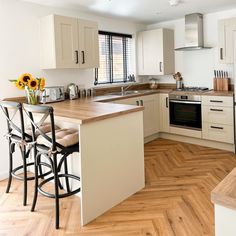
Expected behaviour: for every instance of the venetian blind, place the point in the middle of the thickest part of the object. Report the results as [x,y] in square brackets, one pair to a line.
[115,58]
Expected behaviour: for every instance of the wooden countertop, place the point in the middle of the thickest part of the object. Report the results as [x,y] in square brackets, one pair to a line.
[219,93]
[110,98]
[86,110]
[205,93]
[225,192]
[89,110]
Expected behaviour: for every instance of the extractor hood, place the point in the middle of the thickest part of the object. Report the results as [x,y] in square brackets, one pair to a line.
[193,33]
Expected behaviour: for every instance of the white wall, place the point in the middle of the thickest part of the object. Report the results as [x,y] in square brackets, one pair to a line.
[19,44]
[19,52]
[197,66]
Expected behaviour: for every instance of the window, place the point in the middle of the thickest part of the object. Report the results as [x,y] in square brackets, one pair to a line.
[115,58]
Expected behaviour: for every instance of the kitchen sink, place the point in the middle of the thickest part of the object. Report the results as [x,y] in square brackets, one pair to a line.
[130,92]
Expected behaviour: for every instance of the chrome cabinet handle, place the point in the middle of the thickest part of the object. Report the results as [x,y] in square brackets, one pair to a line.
[76,57]
[141,102]
[216,109]
[137,103]
[216,127]
[83,57]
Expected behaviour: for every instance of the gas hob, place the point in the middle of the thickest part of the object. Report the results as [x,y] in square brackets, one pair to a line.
[193,89]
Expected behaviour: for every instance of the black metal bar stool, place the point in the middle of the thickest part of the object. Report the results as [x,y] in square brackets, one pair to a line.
[61,142]
[17,136]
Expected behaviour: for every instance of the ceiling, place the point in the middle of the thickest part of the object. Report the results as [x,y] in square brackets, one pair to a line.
[141,11]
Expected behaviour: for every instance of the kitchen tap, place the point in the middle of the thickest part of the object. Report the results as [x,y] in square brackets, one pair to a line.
[125,88]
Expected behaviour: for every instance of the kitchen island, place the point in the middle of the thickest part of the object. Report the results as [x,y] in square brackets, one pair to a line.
[111,158]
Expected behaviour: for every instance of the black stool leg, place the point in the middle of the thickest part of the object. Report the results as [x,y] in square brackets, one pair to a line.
[35,183]
[23,153]
[66,178]
[56,185]
[40,166]
[11,148]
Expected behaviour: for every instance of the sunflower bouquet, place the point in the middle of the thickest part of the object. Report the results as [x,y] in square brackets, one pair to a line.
[31,85]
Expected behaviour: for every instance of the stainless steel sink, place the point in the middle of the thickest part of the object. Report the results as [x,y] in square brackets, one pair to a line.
[130,92]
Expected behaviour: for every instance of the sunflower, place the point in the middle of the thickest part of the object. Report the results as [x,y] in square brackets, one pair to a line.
[33,84]
[42,83]
[25,78]
[19,84]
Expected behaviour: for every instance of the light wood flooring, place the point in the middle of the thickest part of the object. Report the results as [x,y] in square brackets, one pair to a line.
[175,201]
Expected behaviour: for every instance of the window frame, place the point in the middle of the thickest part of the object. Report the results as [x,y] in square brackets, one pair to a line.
[110,52]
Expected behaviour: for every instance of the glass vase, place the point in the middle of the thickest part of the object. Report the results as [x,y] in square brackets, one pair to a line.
[32,96]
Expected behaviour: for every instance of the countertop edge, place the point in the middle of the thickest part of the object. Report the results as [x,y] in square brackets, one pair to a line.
[222,193]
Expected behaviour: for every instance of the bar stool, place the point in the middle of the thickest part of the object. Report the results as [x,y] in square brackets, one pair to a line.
[18,136]
[61,142]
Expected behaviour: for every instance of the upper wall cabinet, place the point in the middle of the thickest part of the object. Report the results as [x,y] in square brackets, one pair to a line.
[226,29]
[68,42]
[156,52]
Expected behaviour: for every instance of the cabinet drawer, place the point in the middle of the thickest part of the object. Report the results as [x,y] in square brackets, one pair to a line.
[217,101]
[218,132]
[220,115]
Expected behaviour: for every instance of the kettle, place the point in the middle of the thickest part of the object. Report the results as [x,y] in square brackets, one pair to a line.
[73,91]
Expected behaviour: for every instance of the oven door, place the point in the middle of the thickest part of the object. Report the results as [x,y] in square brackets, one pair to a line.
[186,114]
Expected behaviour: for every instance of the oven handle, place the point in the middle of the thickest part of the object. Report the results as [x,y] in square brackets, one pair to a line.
[185,102]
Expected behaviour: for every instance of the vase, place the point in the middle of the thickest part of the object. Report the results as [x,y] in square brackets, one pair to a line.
[32,96]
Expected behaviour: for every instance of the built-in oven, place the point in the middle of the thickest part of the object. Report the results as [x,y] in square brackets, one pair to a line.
[185,111]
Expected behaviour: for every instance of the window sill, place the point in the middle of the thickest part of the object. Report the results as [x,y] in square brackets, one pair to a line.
[114,85]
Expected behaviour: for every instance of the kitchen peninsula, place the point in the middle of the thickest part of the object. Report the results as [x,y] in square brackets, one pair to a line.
[111,158]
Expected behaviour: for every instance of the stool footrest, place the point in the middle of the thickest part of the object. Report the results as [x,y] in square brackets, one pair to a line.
[63,195]
[13,173]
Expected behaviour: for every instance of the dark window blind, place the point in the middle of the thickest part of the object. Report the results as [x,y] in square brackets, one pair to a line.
[115,58]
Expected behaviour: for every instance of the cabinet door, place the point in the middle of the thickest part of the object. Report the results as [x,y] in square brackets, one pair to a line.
[226,29]
[88,44]
[150,114]
[150,55]
[164,118]
[66,42]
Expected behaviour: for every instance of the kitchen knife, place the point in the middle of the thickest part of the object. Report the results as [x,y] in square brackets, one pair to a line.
[215,73]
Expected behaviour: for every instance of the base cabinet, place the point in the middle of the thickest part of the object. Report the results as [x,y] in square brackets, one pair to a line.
[217,119]
[164,117]
[150,114]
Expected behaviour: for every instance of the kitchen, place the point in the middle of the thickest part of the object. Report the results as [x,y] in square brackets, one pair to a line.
[21,53]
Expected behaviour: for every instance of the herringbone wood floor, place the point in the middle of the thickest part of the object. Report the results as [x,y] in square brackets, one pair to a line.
[175,201]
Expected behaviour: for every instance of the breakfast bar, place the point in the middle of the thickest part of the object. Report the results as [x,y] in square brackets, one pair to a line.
[111,158]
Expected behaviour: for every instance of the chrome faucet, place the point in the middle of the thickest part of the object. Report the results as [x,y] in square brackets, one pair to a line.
[125,88]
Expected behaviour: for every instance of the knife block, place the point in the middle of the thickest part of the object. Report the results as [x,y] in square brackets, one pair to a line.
[221,84]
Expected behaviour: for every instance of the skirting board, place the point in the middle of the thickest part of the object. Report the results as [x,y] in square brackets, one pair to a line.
[3,176]
[201,142]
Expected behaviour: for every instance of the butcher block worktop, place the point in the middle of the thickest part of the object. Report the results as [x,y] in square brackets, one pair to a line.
[85,111]
[225,192]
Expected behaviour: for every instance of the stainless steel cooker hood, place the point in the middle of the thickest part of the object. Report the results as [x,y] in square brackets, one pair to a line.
[194,39]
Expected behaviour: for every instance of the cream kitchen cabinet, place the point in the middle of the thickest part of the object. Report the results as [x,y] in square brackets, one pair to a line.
[156,52]
[150,114]
[68,42]
[217,119]
[226,29]
[164,119]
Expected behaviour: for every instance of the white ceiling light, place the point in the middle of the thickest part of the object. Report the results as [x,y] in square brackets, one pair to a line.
[174,3]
